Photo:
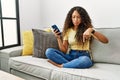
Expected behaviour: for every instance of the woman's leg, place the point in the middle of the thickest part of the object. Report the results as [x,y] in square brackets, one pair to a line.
[81,62]
[56,56]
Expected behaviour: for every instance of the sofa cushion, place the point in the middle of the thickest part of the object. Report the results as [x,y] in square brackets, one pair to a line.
[27,43]
[43,69]
[110,52]
[37,67]
[99,71]
[42,41]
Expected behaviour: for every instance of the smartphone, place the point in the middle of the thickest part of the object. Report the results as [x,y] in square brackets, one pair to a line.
[54,27]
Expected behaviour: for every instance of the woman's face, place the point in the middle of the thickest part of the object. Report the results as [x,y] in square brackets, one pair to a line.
[76,19]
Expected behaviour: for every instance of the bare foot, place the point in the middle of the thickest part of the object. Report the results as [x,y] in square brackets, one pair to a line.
[58,65]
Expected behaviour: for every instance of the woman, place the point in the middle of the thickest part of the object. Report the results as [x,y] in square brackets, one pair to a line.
[75,47]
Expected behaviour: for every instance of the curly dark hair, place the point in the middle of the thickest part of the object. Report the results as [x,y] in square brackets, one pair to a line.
[85,22]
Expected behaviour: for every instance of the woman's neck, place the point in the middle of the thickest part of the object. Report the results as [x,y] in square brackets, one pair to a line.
[75,28]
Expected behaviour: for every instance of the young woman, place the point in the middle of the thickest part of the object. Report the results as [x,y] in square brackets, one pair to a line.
[75,46]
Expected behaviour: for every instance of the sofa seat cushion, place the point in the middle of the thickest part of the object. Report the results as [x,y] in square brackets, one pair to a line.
[99,71]
[33,66]
[39,67]
[103,71]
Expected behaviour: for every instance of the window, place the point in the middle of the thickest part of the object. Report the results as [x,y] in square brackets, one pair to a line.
[9,24]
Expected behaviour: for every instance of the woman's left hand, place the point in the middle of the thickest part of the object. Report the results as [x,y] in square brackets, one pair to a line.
[87,34]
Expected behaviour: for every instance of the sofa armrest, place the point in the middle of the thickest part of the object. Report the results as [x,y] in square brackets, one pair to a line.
[11,52]
[5,54]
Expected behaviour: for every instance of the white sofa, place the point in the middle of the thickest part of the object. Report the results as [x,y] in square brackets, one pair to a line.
[106,63]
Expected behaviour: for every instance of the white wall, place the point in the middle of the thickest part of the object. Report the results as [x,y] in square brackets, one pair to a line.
[104,13]
[29,11]
[44,13]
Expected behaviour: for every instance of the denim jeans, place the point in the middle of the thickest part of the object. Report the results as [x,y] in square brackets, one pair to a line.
[75,58]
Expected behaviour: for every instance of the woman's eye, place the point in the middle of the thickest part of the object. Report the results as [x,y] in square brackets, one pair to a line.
[73,17]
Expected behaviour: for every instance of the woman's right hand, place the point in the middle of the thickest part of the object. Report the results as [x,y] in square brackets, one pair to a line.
[57,33]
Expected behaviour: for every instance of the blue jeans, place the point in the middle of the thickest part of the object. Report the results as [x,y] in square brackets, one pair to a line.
[75,58]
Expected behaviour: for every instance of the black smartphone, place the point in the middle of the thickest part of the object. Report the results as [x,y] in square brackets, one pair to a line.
[54,27]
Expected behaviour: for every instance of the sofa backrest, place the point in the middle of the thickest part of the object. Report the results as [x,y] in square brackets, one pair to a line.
[109,52]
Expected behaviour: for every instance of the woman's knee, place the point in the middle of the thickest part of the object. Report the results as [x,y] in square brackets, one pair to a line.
[86,60]
[49,52]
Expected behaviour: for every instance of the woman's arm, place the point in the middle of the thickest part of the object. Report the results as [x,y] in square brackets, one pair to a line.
[100,37]
[97,35]
[63,45]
